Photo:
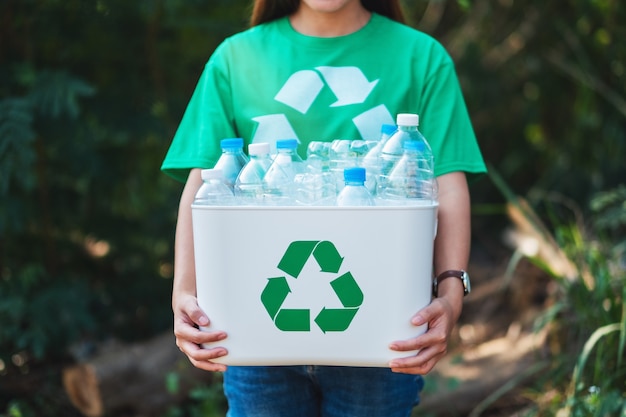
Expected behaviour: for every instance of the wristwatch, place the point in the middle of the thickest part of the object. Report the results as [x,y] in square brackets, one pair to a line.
[460,274]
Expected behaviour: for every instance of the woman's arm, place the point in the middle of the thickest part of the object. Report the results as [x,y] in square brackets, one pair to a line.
[187,314]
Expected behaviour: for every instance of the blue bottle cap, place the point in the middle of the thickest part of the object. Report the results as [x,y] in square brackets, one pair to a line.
[354,174]
[388,129]
[287,144]
[231,143]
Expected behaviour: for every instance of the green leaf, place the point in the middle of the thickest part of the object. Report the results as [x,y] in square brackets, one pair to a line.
[16,142]
[56,94]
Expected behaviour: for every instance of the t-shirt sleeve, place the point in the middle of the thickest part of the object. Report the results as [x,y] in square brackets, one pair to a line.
[207,120]
[446,124]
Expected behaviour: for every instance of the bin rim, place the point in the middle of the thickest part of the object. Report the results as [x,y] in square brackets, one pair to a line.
[427,206]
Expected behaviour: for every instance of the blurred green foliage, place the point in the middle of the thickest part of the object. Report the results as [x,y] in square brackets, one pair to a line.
[586,320]
[91,93]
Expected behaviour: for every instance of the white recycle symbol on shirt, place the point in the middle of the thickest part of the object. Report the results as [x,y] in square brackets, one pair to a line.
[348,84]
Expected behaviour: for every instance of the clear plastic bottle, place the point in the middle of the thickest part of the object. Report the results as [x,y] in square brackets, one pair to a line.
[249,183]
[316,185]
[278,183]
[386,130]
[393,149]
[412,180]
[371,161]
[341,156]
[232,160]
[354,194]
[317,155]
[360,148]
[214,191]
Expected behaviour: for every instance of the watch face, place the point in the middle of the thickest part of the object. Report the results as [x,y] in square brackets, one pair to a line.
[466,283]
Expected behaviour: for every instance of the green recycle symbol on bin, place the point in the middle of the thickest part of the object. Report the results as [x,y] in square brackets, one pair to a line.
[345,287]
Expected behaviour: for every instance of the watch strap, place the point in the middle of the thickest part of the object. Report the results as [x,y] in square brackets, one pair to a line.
[452,273]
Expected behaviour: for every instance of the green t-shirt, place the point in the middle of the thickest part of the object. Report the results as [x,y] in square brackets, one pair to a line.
[271,82]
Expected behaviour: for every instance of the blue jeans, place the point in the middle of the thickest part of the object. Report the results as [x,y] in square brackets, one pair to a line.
[319,391]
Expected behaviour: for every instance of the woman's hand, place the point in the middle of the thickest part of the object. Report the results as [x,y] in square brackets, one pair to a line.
[189,338]
[432,345]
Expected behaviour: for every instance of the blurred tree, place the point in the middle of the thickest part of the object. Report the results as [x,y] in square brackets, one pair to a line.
[545,83]
[90,94]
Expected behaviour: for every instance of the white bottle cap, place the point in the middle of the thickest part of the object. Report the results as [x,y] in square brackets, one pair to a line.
[407,119]
[258,148]
[208,174]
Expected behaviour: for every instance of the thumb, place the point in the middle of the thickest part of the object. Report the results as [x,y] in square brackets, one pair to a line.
[195,313]
[200,318]
[425,315]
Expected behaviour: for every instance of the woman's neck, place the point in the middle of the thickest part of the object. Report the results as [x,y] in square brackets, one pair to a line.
[328,24]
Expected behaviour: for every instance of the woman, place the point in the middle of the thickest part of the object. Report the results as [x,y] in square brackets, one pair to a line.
[319,70]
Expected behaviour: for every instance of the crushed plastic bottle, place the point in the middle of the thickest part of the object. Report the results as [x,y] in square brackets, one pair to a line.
[214,191]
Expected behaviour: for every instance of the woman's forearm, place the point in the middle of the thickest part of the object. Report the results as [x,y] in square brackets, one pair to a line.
[184,262]
[452,245]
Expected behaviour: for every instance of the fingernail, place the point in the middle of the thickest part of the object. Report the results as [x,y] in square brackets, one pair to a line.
[203,321]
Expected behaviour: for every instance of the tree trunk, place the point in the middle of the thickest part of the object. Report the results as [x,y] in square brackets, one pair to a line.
[132,378]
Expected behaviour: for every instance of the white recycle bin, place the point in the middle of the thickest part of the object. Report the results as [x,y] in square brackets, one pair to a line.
[315,286]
